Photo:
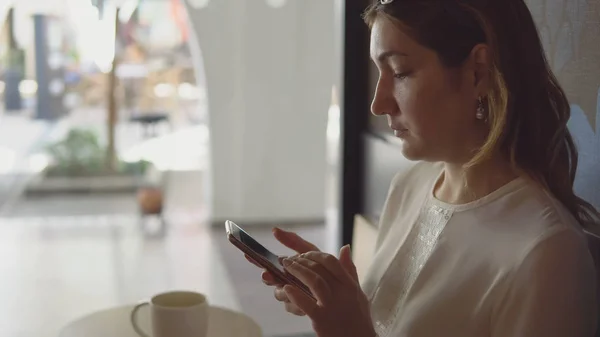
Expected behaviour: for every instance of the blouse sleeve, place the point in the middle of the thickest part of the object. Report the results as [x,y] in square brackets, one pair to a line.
[552,293]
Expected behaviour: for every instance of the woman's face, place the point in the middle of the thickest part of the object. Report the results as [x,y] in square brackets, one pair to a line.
[431,108]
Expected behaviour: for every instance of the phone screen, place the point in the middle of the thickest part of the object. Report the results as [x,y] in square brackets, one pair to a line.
[246,239]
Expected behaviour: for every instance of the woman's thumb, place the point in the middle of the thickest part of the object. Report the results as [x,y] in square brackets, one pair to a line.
[346,261]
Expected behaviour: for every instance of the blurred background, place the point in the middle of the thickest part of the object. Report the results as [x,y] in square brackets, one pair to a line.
[130,130]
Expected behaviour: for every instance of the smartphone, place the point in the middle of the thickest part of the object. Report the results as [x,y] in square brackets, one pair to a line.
[271,262]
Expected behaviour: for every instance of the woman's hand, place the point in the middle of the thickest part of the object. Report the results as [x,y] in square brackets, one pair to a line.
[299,245]
[342,308]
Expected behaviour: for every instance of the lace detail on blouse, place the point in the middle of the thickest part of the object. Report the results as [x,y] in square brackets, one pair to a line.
[389,296]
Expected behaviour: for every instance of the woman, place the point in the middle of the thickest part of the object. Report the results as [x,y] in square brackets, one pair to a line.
[484,236]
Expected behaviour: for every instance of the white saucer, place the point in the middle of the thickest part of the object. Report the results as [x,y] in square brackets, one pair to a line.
[115,323]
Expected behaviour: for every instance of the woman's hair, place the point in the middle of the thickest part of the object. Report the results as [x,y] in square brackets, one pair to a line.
[527,109]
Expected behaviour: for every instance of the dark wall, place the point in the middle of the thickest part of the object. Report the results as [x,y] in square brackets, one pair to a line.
[383,159]
[354,118]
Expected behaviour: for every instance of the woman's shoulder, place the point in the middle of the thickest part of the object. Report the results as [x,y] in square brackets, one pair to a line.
[534,213]
[530,223]
[555,279]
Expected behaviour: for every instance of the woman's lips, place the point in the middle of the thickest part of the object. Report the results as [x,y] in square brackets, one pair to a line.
[400,132]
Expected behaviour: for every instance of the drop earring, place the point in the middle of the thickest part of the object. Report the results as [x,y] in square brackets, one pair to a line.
[480,109]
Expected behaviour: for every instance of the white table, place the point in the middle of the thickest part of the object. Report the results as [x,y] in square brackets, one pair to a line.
[115,323]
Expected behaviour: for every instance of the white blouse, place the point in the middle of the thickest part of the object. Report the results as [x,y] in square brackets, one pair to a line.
[514,263]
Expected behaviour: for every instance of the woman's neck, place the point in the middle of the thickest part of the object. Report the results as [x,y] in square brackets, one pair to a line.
[459,186]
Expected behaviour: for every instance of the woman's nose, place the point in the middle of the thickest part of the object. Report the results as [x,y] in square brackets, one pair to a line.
[383,100]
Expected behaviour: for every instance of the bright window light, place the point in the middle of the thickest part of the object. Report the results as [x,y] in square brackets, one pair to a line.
[7,160]
[28,87]
[276,3]
[38,162]
[199,3]
[189,91]
[164,90]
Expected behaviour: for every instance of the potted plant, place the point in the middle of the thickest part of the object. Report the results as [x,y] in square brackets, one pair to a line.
[80,154]
[77,163]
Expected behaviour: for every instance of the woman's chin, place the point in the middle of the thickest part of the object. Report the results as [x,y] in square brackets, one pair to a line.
[411,152]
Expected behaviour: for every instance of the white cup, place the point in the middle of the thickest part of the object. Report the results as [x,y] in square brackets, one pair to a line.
[177,313]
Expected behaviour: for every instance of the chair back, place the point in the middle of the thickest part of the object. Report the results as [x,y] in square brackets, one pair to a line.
[363,244]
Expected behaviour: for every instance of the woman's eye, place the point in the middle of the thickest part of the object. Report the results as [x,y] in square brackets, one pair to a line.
[401,76]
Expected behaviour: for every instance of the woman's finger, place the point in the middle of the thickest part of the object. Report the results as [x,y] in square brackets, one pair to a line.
[348,264]
[293,309]
[331,263]
[280,295]
[269,279]
[317,268]
[302,301]
[251,260]
[293,241]
[316,283]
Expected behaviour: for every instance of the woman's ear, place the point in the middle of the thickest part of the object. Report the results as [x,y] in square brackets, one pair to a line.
[480,65]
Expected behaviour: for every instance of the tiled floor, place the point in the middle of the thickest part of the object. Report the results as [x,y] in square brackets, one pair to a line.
[65,257]
[55,269]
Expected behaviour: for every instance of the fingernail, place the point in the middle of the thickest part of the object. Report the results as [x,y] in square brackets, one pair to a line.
[348,247]
[286,262]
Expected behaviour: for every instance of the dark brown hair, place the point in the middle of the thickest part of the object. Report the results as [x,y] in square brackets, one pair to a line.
[527,109]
